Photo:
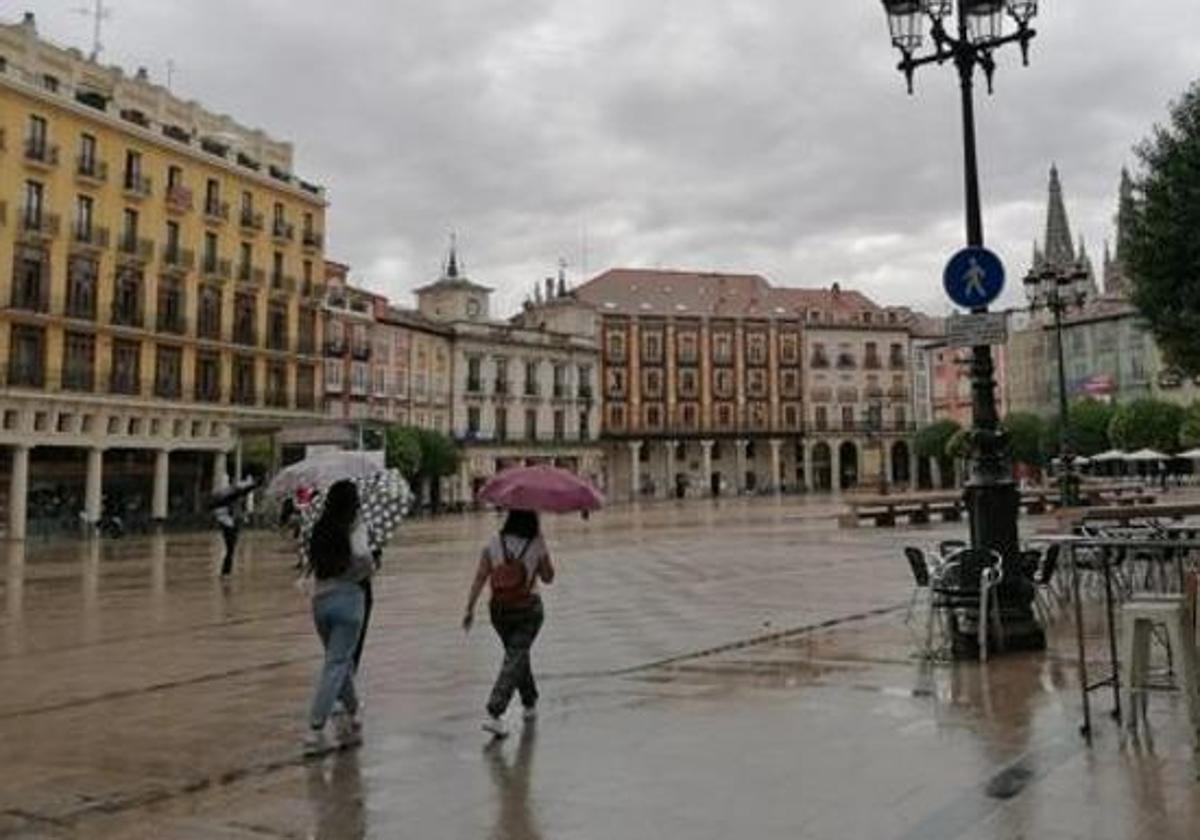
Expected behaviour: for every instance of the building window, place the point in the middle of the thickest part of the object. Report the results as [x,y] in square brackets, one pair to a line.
[652,346]
[722,348]
[653,417]
[473,421]
[756,348]
[615,346]
[79,361]
[208,377]
[359,378]
[585,424]
[277,327]
[84,212]
[31,279]
[687,343]
[756,383]
[170,306]
[689,383]
[560,381]
[501,423]
[126,367]
[168,369]
[210,252]
[560,424]
[245,261]
[245,389]
[172,254]
[531,424]
[790,383]
[127,298]
[208,316]
[245,311]
[789,348]
[277,396]
[35,140]
[501,375]
[652,383]
[277,268]
[26,356]
[474,375]
[723,384]
[821,418]
[333,374]
[306,387]
[724,416]
[900,417]
[820,360]
[531,378]
[688,416]
[791,417]
[82,273]
[616,417]
[34,202]
[212,197]
[847,418]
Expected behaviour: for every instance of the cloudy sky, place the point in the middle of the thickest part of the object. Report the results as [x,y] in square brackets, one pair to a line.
[771,136]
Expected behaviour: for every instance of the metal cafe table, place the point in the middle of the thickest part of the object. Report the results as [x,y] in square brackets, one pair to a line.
[1105,553]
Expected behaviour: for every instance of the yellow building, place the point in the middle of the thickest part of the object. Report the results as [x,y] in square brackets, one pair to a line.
[161,273]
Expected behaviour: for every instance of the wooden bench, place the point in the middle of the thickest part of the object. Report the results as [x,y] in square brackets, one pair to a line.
[883,511]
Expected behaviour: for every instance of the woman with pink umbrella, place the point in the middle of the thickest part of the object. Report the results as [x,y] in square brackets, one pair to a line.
[512,564]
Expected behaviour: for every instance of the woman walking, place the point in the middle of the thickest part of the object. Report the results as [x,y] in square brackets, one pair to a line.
[341,568]
[512,563]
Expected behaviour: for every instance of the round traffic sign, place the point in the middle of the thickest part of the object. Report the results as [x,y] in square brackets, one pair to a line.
[974,277]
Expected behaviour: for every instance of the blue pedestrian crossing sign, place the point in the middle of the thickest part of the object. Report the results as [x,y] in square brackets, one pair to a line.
[974,277]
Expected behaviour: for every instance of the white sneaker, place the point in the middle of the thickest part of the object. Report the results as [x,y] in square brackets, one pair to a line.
[315,742]
[349,730]
[530,714]
[496,727]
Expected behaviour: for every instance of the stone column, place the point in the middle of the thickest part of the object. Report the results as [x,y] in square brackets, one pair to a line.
[18,492]
[93,491]
[808,467]
[635,469]
[835,466]
[935,473]
[706,448]
[220,478]
[885,459]
[774,484]
[739,451]
[914,471]
[162,482]
[670,482]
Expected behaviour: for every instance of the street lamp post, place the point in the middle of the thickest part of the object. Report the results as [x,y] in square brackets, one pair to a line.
[991,496]
[1058,291]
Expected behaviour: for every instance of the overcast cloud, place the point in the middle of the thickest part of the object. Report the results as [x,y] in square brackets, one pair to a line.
[771,136]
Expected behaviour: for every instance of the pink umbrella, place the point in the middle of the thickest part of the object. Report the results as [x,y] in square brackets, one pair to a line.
[544,489]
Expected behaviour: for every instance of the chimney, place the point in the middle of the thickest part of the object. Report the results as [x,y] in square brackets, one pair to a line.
[143,75]
[836,289]
[29,22]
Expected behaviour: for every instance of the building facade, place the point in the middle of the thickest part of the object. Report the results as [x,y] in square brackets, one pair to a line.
[522,393]
[1109,351]
[160,268]
[716,383]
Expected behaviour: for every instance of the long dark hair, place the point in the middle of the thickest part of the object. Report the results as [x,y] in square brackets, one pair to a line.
[329,547]
[521,523]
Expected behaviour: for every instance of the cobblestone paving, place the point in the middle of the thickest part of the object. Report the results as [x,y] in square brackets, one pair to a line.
[735,669]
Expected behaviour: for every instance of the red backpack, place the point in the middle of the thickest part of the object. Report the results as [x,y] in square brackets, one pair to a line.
[509,580]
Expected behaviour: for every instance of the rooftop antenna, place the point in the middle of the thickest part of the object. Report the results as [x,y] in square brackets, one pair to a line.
[98,13]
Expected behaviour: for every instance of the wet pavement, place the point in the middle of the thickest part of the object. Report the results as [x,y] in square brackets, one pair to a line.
[708,670]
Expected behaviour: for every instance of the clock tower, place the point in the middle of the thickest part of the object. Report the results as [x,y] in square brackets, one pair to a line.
[454,297]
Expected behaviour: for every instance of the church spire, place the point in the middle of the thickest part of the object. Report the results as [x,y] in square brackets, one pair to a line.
[1058,249]
[452,260]
[1124,214]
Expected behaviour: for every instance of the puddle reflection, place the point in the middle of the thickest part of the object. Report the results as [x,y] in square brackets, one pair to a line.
[336,795]
[90,574]
[14,593]
[515,819]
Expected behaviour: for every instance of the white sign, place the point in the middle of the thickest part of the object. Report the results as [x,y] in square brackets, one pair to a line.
[989,328]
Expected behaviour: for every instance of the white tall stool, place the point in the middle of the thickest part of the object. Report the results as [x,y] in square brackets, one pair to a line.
[1139,617]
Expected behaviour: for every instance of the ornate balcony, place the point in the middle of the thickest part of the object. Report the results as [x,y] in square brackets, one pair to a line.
[216,269]
[37,225]
[88,238]
[312,240]
[250,221]
[90,171]
[282,232]
[136,186]
[135,249]
[40,154]
[178,261]
[216,212]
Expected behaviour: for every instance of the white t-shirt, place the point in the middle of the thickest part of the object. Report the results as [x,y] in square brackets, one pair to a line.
[531,559]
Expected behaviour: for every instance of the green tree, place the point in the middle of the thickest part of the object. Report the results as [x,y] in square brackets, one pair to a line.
[1025,431]
[958,446]
[932,440]
[1160,248]
[1189,430]
[1147,423]
[439,454]
[1090,421]
[402,450]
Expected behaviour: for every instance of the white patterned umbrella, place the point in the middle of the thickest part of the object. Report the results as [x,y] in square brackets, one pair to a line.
[384,500]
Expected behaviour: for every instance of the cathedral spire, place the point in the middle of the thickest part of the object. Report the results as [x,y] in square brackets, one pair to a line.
[452,260]
[1058,250]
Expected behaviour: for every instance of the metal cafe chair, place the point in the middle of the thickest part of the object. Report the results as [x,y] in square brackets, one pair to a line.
[968,583]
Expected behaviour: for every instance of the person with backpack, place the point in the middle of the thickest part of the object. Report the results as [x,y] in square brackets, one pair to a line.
[512,564]
[341,566]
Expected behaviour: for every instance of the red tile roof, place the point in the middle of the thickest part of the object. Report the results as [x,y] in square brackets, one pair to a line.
[663,292]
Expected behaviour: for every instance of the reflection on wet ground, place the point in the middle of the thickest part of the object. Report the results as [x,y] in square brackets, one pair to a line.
[708,671]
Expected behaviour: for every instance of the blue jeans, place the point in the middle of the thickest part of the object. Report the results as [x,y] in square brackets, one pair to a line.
[338,615]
